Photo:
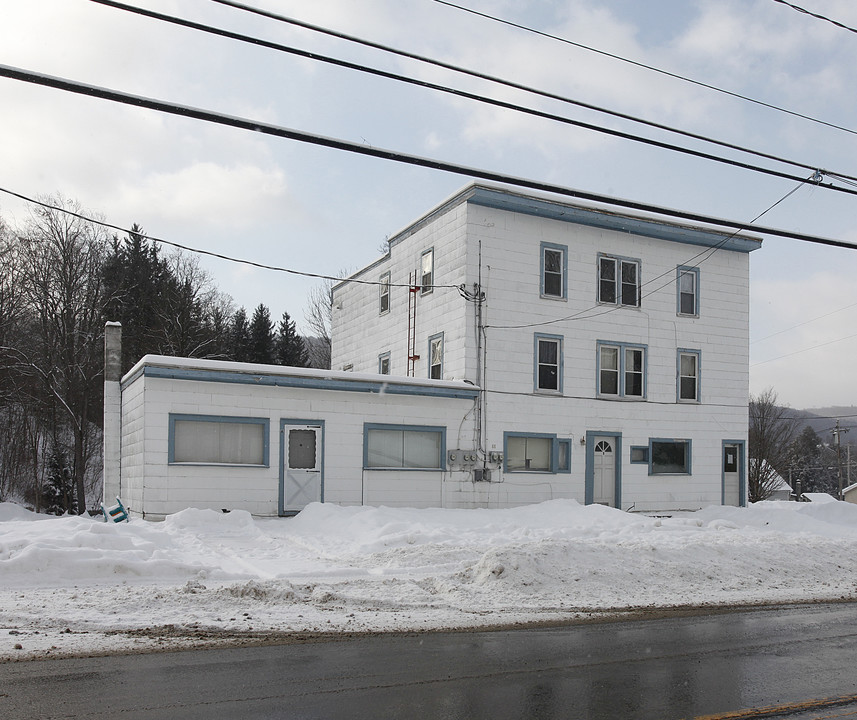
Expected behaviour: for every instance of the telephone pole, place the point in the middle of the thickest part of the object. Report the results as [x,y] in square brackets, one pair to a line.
[837,434]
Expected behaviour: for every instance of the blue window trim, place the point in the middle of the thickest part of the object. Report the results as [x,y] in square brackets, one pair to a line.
[405,428]
[171,442]
[564,250]
[688,443]
[679,353]
[423,289]
[559,339]
[555,443]
[285,422]
[432,338]
[682,270]
[618,280]
[639,448]
[622,347]
[384,289]
[384,356]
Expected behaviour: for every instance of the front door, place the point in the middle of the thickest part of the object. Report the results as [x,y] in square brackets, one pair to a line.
[604,471]
[302,465]
[731,474]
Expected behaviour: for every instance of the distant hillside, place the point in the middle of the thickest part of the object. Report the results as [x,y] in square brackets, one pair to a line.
[823,420]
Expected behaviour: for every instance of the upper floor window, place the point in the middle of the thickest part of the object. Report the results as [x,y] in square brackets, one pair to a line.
[436,356]
[688,375]
[554,270]
[621,370]
[548,363]
[384,364]
[688,291]
[384,294]
[427,271]
[618,281]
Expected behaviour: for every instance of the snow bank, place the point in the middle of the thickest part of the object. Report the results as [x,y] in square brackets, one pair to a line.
[364,569]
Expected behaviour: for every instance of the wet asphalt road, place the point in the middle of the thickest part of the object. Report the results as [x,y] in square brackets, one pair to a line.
[723,665]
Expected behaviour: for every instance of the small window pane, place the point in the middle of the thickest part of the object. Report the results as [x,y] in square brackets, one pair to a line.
[639,454]
[634,372]
[687,293]
[610,370]
[427,271]
[385,448]
[563,462]
[436,358]
[384,289]
[516,453]
[421,449]
[302,449]
[630,286]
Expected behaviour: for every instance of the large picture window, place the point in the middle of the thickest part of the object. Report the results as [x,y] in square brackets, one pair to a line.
[537,452]
[394,447]
[214,440]
[669,457]
[619,281]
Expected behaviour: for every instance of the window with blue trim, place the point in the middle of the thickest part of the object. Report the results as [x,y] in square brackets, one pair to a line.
[688,375]
[435,353]
[669,457]
[216,440]
[621,370]
[536,452]
[548,363]
[618,281]
[395,447]
[384,294]
[640,454]
[687,291]
[554,270]
[427,271]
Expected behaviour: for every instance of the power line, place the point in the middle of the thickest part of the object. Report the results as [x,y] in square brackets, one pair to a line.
[258,126]
[209,253]
[641,65]
[816,15]
[806,322]
[798,352]
[471,96]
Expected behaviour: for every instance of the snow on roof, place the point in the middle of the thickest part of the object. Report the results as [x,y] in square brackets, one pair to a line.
[179,363]
[819,497]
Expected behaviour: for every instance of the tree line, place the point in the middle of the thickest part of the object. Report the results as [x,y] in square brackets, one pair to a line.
[61,278]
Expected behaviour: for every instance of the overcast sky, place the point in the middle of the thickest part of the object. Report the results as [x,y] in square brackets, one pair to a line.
[319,210]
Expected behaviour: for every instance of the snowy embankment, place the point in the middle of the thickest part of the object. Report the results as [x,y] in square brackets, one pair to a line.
[79,585]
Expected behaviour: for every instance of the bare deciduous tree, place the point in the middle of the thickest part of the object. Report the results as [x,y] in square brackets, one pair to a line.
[317,316]
[772,430]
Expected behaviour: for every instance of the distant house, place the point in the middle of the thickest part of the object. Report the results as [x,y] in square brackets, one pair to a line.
[509,348]
[849,494]
[817,497]
[781,490]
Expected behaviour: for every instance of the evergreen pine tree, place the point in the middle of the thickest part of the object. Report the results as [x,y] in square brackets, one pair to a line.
[58,496]
[262,341]
[239,337]
[290,346]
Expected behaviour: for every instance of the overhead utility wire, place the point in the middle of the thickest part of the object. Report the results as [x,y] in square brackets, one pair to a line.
[209,253]
[641,65]
[490,78]
[816,15]
[404,158]
[478,98]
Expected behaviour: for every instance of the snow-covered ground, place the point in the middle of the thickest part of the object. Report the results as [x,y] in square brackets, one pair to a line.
[76,585]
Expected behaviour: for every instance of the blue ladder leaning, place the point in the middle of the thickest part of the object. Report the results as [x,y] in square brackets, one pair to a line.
[116,513]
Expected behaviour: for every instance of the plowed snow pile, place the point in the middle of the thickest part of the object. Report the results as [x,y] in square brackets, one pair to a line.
[79,585]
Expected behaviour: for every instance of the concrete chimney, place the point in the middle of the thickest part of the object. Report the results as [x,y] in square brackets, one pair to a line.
[112,412]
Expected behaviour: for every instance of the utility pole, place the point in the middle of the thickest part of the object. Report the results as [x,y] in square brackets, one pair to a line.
[837,434]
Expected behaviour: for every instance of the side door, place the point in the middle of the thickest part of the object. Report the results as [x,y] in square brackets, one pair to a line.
[732,474]
[301,478]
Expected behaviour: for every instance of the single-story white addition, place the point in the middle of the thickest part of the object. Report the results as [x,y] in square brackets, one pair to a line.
[849,494]
[271,439]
